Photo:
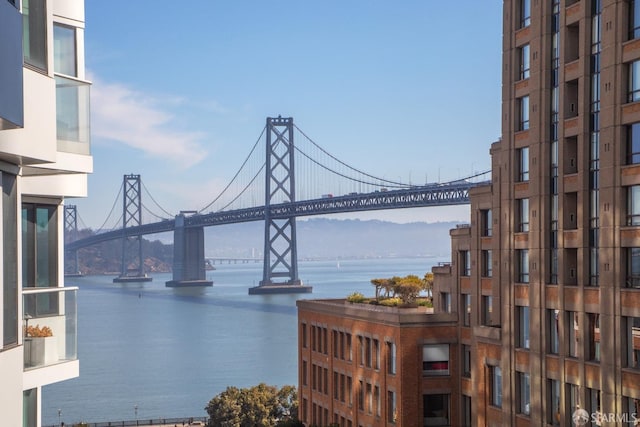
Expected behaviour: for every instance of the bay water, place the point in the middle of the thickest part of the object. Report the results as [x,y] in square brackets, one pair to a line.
[167,352]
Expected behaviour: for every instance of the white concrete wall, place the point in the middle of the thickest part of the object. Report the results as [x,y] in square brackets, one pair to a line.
[11,362]
[55,185]
[69,9]
[36,142]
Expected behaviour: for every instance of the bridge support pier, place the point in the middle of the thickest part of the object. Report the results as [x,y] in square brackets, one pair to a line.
[188,256]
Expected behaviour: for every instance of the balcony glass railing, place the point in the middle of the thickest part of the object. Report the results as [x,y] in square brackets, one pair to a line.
[50,326]
[72,115]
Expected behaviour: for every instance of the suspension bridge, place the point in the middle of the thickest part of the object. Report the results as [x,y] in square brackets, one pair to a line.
[288,181]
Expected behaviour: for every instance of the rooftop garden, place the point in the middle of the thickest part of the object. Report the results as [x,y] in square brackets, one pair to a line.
[408,291]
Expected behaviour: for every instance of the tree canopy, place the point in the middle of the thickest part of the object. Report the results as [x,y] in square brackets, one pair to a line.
[407,288]
[260,405]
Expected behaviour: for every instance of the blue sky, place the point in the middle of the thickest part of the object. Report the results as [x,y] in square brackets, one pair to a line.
[407,89]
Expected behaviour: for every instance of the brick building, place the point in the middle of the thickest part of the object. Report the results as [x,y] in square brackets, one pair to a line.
[365,365]
[545,278]
[543,290]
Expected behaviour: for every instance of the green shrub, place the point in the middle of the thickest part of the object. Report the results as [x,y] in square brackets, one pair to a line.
[391,302]
[425,303]
[356,297]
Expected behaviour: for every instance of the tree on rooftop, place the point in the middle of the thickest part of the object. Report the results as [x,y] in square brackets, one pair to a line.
[384,284]
[428,285]
[408,288]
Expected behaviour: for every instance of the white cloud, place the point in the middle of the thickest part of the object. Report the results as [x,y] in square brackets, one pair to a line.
[136,119]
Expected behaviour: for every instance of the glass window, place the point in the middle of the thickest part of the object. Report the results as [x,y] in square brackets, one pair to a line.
[39,245]
[436,409]
[553,402]
[435,359]
[465,263]
[376,354]
[10,260]
[446,301]
[368,353]
[392,414]
[466,309]
[522,210]
[523,391]
[523,265]
[523,164]
[304,372]
[496,386]
[634,20]
[522,313]
[633,342]
[487,263]
[593,339]
[572,395]
[466,411]
[303,327]
[64,50]
[485,219]
[34,36]
[573,333]
[633,143]
[72,115]
[391,358]
[525,13]
[633,205]
[553,328]
[634,81]
[524,62]
[593,401]
[30,406]
[633,268]
[466,360]
[487,309]
[631,408]
[523,106]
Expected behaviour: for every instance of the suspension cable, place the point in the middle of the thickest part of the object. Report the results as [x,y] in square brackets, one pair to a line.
[154,201]
[399,184]
[82,223]
[393,184]
[244,189]
[152,213]
[112,208]
[237,173]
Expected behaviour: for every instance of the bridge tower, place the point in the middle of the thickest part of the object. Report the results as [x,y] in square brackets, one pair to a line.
[132,267]
[280,271]
[70,235]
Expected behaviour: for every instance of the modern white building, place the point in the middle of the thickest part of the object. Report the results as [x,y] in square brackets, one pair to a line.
[44,158]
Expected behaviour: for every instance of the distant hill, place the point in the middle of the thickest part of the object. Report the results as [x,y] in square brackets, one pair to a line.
[318,238]
[334,238]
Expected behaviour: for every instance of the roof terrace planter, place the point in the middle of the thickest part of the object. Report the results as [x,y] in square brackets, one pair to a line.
[397,316]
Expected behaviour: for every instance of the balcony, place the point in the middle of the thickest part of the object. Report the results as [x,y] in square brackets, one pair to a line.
[72,115]
[49,311]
